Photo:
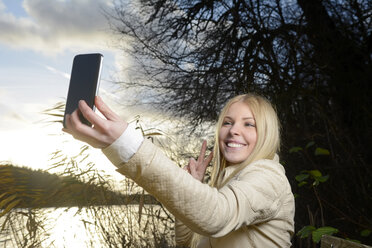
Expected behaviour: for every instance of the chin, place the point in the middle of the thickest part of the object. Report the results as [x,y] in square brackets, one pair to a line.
[234,162]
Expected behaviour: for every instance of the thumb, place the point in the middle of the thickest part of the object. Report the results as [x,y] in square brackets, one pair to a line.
[186,168]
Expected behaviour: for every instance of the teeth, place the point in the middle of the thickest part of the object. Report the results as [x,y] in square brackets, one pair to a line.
[234,145]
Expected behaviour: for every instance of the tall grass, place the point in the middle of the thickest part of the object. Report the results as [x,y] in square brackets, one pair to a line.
[128,223]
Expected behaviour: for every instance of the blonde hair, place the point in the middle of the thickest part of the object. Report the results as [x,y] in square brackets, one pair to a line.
[268,134]
[267,144]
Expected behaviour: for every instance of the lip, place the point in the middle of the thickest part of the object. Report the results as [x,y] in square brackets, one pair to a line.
[234,142]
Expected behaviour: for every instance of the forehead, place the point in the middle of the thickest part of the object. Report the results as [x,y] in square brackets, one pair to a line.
[239,109]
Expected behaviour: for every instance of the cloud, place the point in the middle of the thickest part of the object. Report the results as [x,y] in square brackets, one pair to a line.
[53,26]
[55,71]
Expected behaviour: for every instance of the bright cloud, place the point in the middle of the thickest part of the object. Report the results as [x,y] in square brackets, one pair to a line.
[54,26]
[54,70]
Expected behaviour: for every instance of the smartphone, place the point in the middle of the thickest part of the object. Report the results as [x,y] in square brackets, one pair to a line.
[84,83]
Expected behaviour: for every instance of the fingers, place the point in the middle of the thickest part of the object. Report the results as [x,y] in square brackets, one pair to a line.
[82,132]
[193,164]
[104,131]
[89,114]
[187,168]
[208,159]
[76,127]
[201,158]
[105,110]
[67,124]
[202,151]
[198,167]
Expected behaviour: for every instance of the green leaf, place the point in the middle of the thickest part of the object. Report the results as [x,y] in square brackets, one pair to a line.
[365,233]
[295,149]
[311,143]
[315,173]
[325,230]
[323,178]
[301,183]
[321,151]
[305,231]
[301,177]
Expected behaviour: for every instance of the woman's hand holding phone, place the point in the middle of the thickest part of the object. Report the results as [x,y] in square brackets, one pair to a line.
[103,131]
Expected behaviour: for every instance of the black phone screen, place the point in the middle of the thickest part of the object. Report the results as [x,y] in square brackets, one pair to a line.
[84,82]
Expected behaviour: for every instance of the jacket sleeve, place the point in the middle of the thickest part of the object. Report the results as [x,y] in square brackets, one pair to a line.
[252,198]
[183,234]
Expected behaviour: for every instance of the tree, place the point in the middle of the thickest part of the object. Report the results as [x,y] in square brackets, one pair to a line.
[312,59]
[197,55]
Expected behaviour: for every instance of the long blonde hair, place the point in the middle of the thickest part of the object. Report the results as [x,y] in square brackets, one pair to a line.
[267,144]
[268,134]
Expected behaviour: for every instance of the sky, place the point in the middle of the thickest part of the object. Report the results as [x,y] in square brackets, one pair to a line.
[38,40]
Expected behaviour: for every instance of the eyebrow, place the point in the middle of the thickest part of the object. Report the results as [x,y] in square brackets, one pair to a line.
[244,118]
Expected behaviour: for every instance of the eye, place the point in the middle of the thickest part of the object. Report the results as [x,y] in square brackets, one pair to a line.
[248,124]
[226,123]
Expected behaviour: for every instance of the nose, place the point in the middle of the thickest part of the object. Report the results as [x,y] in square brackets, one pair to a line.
[234,129]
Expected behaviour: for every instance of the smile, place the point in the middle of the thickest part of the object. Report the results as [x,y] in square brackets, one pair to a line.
[234,145]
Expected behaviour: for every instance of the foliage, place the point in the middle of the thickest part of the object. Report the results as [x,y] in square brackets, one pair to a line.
[129,218]
[194,55]
[18,227]
[316,175]
[316,233]
[135,220]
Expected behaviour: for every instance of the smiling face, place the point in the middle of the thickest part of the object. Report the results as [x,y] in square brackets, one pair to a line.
[238,134]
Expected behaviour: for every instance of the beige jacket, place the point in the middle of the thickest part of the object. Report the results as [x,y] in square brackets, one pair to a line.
[254,209]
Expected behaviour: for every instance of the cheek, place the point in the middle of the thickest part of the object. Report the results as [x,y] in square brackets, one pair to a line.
[252,138]
[221,135]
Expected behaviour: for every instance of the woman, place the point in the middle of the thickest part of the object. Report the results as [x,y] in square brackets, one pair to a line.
[249,202]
